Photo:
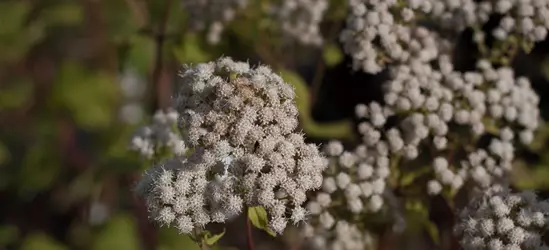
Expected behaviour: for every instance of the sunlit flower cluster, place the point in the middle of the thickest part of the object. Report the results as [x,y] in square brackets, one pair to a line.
[240,123]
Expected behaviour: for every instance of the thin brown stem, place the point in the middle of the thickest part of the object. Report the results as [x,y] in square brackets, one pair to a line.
[160,39]
[249,234]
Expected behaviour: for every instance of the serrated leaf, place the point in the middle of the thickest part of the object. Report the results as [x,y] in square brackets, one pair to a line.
[258,217]
[332,55]
[210,240]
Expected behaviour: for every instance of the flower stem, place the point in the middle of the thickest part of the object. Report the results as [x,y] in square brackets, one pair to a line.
[249,234]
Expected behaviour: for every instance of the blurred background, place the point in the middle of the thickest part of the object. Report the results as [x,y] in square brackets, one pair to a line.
[78,77]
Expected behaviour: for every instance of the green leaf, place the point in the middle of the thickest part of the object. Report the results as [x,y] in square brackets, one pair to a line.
[41,241]
[332,55]
[432,230]
[119,233]
[258,216]
[212,239]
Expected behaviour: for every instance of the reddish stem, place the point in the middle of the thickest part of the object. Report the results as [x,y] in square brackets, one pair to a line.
[249,234]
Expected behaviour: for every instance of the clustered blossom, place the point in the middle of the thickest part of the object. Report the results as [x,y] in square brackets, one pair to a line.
[438,101]
[526,19]
[241,125]
[379,32]
[161,133]
[504,220]
[353,185]
[300,19]
[212,15]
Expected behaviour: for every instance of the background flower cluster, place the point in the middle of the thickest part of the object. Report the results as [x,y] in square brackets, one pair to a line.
[314,124]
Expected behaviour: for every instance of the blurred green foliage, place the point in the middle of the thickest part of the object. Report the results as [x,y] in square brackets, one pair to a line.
[63,146]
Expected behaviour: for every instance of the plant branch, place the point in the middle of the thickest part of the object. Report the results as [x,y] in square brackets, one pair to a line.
[160,39]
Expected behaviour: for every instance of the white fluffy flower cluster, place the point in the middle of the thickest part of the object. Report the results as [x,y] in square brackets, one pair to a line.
[300,19]
[379,32]
[353,185]
[434,103]
[528,19]
[162,133]
[504,220]
[212,15]
[180,192]
[241,123]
